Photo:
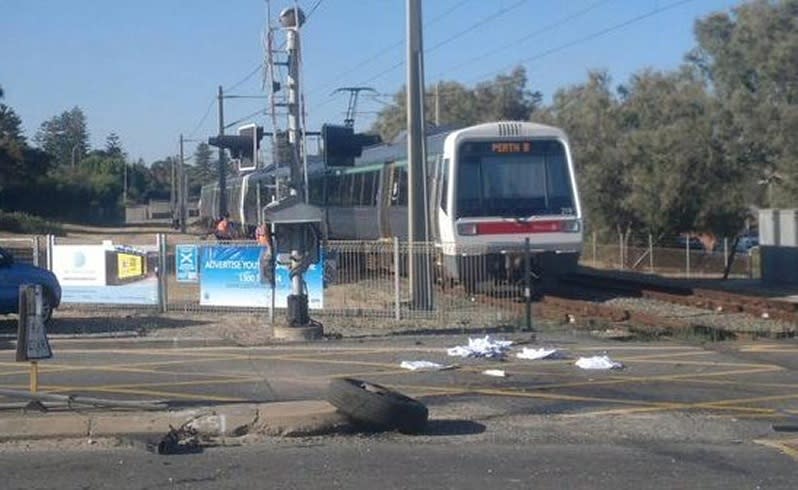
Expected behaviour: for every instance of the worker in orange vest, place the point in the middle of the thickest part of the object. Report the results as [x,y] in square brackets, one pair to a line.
[224,228]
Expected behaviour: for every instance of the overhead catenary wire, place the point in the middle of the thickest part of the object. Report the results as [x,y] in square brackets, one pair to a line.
[526,37]
[385,50]
[566,45]
[655,11]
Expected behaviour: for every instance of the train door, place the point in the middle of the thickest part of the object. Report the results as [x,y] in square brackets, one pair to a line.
[388,187]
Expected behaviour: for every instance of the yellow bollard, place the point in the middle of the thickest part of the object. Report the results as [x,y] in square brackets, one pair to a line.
[34,376]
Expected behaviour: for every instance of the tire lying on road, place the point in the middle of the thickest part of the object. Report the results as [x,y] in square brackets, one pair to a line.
[376,406]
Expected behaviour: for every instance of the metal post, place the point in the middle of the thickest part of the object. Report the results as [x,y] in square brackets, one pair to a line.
[222,163]
[650,253]
[181,189]
[419,270]
[396,297]
[528,284]
[620,249]
[274,239]
[725,253]
[160,240]
[36,250]
[687,256]
[595,250]
[50,245]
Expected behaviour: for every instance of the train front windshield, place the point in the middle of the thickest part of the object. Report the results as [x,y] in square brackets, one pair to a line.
[516,179]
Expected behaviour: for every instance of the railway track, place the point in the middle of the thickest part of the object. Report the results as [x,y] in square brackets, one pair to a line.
[657,308]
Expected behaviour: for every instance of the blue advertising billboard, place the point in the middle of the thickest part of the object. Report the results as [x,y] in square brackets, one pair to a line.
[230,276]
[187,263]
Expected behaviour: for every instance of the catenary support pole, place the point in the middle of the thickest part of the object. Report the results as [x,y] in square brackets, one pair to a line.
[419,270]
[222,168]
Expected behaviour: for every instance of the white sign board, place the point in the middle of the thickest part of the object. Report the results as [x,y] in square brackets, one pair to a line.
[79,265]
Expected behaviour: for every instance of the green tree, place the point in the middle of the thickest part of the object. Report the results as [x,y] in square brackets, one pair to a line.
[590,115]
[113,146]
[504,98]
[204,170]
[749,58]
[63,136]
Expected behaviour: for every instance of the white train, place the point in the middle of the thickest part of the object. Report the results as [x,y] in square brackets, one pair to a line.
[490,187]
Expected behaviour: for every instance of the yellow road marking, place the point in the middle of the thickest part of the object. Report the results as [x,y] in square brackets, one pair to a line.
[781,445]
[160,394]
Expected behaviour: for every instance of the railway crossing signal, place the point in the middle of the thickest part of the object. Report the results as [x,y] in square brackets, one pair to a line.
[244,147]
[342,145]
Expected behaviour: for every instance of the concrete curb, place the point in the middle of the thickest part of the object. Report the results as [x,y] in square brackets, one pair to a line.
[281,419]
[80,341]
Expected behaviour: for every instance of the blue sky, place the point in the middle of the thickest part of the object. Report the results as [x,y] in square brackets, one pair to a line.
[149,70]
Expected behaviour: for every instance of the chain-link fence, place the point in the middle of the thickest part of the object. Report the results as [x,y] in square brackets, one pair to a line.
[28,250]
[675,256]
[350,279]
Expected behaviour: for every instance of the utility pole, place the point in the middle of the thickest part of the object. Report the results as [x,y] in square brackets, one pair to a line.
[222,163]
[419,267]
[181,192]
[291,20]
[438,104]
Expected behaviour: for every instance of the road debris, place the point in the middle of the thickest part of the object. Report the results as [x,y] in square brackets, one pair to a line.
[425,366]
[183,440]
[481,347]
[542,353]
[499,373]
[598,362]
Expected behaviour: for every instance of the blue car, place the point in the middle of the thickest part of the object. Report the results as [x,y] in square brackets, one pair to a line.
[14,274]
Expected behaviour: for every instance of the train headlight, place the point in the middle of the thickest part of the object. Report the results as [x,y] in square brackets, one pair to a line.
[466,228]
[572,226]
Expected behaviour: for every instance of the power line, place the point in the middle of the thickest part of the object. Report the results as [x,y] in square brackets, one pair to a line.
[259,111]
[474,26]
[393,46]
[471,28]
[312,9]
[527,37]
[590,37]
[245,79]
[202,120]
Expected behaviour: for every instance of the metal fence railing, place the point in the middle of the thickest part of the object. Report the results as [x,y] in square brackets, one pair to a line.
[28,250]
[353,283]
[674,256]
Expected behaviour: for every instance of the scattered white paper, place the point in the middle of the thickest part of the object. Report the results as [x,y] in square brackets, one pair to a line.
[534,354]
[423,366]
[499,373]
[481,347]
[598,362]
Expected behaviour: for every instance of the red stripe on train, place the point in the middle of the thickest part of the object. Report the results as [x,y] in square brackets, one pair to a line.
[511,227]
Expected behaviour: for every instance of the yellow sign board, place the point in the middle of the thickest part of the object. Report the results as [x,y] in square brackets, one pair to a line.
[129,265]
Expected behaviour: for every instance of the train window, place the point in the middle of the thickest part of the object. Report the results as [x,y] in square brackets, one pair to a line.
[444,182]
[316,193]
[401,196]
[348,190]
[333,192]
[357,189]
[370,186]
[532,180]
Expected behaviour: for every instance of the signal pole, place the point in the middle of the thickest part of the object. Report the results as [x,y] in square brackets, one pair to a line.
[419,267]
[222,163]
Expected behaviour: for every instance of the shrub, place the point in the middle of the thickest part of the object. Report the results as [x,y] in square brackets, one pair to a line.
[28,224]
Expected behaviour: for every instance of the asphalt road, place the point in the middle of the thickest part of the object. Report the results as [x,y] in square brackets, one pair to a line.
[677,416]
[494,458]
